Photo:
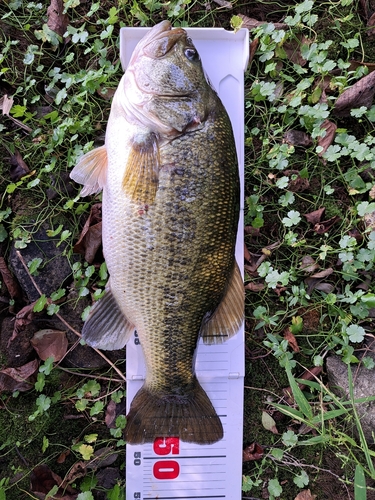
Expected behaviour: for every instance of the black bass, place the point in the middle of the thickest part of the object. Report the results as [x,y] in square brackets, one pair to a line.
[169,175]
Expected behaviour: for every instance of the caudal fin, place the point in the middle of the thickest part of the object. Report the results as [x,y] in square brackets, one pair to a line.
[190,416]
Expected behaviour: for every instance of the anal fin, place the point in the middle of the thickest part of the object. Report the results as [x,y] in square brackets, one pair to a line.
[106,327]
[141,176]
[229,314]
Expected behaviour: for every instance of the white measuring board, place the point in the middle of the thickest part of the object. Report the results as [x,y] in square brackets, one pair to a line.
[170,469]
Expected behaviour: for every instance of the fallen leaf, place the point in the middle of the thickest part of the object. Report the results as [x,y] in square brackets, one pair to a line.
[224,3]
[63,456]
[90,239]
[19,379]
[255,287]
[297,138]
[296,184]
[110,414]
[18,168]
[327,140]
[305,495]
[308,264]
[42,480]
[324,287]
[292,341]
[253,452]
[50,343]
[292,49]
[104,457]
[252,49]
[253,231]
[6,104]
[250,23]
[371,22]
[105,93]
[359,94]
[268,423]
[23,317]
[323,274]
[246,253]
[57,21]
[326,225]
[9,280]
[315,216]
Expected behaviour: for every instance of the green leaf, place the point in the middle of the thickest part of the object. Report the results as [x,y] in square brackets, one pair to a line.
[299,397]
[359,483]
[356,333]
[301,480]
[34,264]
[90,438]
[293,218]
[86,451]
[3,233]
[40,303]
[97,408]
[45,444]
[289,438]
[274,487]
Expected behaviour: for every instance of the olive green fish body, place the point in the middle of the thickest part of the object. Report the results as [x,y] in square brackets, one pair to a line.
[170,215]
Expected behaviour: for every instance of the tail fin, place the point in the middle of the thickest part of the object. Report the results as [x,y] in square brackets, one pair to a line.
[190,416]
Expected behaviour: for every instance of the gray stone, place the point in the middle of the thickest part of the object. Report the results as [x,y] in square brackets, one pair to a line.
[54,270]
[363,387]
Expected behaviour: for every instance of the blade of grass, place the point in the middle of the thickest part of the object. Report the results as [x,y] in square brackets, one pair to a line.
[359,483]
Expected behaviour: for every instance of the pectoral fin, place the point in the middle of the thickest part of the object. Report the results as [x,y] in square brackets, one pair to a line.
[106,327]
[229,315]
[91,171]
[141,176]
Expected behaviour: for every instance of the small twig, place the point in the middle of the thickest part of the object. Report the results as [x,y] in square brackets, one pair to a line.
[96,377]
[119,372]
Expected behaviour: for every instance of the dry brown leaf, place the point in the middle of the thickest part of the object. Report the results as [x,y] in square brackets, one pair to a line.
[293,49]
[50,343]
[246,253]
[9,280]
[324,226]
[104,457]
[372,192]
[296,184]
[42,480]
[371,22]
[305,495]
[359,94]
[23,317]
[292,341]
[255,287]
[57,21]
[253,452]
[297,138]
[18,167]
[323,274]
[308,264]
[315,216]
[91,236]
[19,379]
[6,104]
[250,23]
[105,93]
[327,140]
[355,64]
[252,49]
[224,3]
[63,456]
[324,287]
[110,414]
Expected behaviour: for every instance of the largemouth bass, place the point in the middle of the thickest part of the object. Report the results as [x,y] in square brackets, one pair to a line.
[169,175]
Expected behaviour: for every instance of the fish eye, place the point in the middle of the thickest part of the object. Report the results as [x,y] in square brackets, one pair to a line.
[192,54]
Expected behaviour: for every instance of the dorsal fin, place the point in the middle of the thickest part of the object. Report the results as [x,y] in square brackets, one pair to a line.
[91,171]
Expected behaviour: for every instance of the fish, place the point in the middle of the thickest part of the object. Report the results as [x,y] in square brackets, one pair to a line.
[170,205]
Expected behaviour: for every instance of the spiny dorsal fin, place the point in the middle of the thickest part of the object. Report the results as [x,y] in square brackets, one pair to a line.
[141,176]
[106,327]
[91,171]
[229,314]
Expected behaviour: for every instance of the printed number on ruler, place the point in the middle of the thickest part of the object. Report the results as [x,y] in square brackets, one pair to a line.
[166,469]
